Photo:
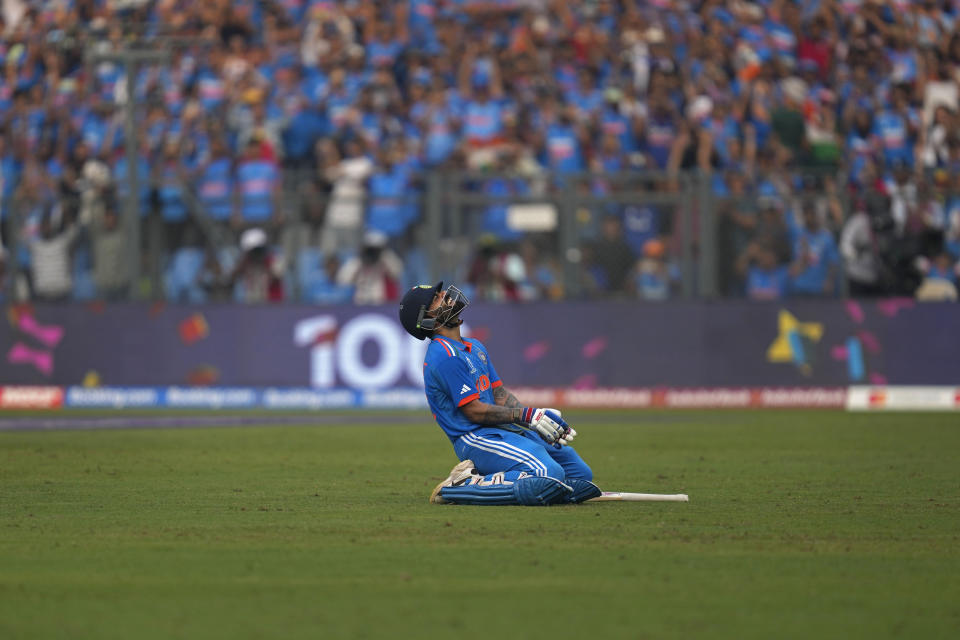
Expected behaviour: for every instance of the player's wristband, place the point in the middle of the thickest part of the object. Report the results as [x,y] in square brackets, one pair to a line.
[526,414]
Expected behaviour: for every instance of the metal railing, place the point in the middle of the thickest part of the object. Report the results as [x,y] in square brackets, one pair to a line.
[456,215]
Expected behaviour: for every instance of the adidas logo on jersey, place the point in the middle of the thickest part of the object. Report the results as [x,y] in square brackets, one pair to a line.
[465,389]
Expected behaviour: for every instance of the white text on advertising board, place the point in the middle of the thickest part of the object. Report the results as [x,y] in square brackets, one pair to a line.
[336,352]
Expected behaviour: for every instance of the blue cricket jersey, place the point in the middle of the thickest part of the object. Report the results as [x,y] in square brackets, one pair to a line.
[455,373]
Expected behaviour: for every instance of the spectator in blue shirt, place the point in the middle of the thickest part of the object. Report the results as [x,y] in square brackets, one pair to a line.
[661,133]
[641,223]
[389,191]
[495,215]
[215,183]
[121,178]
[725,129]
[440,128]
[169,178]
[653,273]
[422,14]
[766,278]
[815,256]
[485,110]
[10,169]
[211,87]
[613,122]
[338,99]
[895,128]
[563,148]
[258,188]
[586,98]
[384,46]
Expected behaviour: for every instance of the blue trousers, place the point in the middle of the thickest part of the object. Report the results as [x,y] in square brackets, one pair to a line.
[493,450]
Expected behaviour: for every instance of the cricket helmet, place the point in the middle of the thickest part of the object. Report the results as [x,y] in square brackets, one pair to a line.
[416,317]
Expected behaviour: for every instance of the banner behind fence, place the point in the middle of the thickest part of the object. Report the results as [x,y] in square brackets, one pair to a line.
[578,346]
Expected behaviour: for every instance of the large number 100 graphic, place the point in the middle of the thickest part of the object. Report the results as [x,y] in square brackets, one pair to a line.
[339,356]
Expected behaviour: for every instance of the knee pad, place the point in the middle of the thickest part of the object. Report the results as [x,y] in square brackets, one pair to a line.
[536,491]
[480,495]
[530,491]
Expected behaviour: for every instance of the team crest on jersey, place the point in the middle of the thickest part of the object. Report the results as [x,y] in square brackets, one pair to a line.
[482,357]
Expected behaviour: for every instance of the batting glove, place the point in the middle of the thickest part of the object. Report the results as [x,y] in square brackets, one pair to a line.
[569,433]
[546,422]
[568,437]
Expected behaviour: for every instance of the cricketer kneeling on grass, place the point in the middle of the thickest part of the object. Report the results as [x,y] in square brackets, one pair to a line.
[509,454]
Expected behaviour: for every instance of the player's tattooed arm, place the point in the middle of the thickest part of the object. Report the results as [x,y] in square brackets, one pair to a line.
[482,413]
[504,398]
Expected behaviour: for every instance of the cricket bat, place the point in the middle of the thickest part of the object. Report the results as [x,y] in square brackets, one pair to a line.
[621,496]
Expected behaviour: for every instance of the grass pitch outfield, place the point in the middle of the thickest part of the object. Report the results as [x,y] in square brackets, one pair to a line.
[799,525]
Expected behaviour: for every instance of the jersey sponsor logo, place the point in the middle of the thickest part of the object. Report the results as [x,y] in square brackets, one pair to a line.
[660,136]
[214,189]
[561,147]
[464,389]
[211,88]
[616,127]
[254,186]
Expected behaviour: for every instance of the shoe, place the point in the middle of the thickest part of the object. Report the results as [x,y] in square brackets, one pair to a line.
[460,474]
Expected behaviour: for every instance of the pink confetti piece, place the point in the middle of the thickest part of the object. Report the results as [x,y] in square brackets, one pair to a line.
[838,352]
[22,354]
[855,311]
[594,347]
[869,341]
[588,381]
[887,308]
[892,306]
[49,335]
[536,351]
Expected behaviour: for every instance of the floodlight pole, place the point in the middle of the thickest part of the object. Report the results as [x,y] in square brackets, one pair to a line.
[131,59]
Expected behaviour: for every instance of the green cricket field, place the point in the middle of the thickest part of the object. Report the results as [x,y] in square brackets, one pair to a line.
[801,524]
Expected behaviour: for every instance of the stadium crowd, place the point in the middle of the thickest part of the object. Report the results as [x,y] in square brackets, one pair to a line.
[827,132]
